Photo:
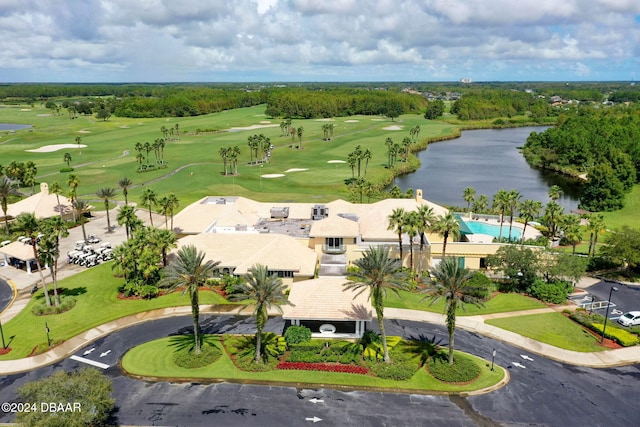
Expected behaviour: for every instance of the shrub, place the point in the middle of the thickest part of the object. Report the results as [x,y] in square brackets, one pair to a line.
[463,370]
[297,335]
[601,263]
[66,304]
[555,292]
[480,285]
[622,337]
[401,367]
[66,169]
[186,358]
[148,291]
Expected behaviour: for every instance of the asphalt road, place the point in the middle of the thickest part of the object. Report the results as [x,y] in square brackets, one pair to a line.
[541,392]
[6,295]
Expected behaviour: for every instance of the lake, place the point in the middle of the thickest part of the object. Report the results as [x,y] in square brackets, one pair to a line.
[486,160]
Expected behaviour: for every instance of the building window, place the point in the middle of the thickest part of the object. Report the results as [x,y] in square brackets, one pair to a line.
[281,273]
[334,242]
[483,263]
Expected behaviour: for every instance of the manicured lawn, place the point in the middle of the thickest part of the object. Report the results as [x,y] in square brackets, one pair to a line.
[551,328]
[500,303]
[96,292]
[155,359]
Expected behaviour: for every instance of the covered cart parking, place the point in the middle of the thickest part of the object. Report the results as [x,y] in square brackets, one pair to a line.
[18,255]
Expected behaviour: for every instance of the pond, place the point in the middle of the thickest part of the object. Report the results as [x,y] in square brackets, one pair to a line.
[13,126]
[487,160]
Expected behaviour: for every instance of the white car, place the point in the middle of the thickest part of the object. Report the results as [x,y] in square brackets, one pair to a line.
[631,318]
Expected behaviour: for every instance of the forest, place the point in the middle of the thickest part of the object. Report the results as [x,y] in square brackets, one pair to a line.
[604,144]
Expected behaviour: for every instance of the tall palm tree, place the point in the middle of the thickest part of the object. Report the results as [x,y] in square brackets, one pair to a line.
[127,217]
[480,204]
[412,227]
[174,203]
[500,205]
[67,158]
[378,273]
[300,131]
[7,189]
[447,226]
[148,200]
[73,181]
[125,183]
[396,222]
[106,194]
[513,200]
[596,226]
[450,281]
[53,228]
[529,210]
[264,291]
[81,207]
[469,196]
[189,271]
[164,203]
[56,189]
[29,225]
[570,226]
[426,219]
[552,213]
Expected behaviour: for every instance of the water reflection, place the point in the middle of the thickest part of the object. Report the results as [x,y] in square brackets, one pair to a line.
[486,160]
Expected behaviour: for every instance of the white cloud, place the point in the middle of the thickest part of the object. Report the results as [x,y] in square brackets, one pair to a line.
[433,39]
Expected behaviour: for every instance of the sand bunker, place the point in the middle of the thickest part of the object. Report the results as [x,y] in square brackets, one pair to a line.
[238,129]
[264,122]
[51,148]
[295,170]
[336,161]
[25,109]
[273,175]
[43,115]
[392,128]
[351,121]
[325,120]
[84,131]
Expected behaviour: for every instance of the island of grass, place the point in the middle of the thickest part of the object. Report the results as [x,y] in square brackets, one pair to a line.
[414,366]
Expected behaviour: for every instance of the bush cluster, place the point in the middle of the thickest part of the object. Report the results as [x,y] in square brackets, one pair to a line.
[401,367]
[325,352]
[186,358]
[480,286]
[145,291]
[297,334]
[66,304]
[463,370]
[554,292]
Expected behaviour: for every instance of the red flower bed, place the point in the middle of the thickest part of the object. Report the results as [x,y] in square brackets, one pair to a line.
[326,367]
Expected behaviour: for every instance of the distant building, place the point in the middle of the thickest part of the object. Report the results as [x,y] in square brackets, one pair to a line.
[465,80]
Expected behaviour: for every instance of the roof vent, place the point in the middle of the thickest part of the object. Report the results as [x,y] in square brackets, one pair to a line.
[319,212]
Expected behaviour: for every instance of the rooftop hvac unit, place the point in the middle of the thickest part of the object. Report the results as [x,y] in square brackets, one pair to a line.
[280,212]
[221,201]
[319,212]
[241,227]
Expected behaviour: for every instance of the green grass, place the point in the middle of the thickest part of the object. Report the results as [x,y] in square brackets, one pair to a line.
[96,294]
[550,328]
[155,359]
[196,156]
[500,303]
[627,215]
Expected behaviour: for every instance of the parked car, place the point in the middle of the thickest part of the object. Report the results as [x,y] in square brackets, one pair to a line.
[631,318]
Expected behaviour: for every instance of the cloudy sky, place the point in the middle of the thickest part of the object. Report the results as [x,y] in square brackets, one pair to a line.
[318,40]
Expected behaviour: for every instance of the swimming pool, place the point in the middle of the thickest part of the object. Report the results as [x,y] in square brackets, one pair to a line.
[481,227]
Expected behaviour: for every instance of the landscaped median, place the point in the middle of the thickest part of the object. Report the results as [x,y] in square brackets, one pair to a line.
[155,360]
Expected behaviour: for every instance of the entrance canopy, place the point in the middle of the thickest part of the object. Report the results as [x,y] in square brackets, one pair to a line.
[18,254]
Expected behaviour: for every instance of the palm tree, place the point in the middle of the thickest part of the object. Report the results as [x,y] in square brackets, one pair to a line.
[147,147]
[366,156]
[396,222]
[264,291]
[469,196]
[127,217]
[596,226]
[570,226]
[450,281]
[189,271]
[148,200]
[552,212]
[555,192]
[480,204]
[81,207]
[426,219]
[165,204]
[447,226]
[106,194]
[125,183]
[73,181]
[29,225]
[164,240]
[500,205]
[411,227]
[378,273]
[513,200]
[389,143]
[7,189]
[174,203]
[529,210]
[54,229]
[406,143]
[56,189]
[67,158]
[299,131]
[224,154]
